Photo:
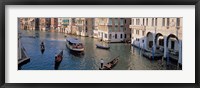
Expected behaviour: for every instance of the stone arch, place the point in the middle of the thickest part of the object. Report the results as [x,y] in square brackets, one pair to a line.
[149,40]
[175,47]
[172,36]
[157,36]
[159,42]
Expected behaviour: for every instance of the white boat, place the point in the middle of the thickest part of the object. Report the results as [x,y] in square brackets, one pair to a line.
[74,44]
[102,47]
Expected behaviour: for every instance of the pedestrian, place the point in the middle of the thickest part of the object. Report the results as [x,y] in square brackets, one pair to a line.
[102,63]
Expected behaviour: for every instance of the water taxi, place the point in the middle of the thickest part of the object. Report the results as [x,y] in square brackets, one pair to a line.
[74,44]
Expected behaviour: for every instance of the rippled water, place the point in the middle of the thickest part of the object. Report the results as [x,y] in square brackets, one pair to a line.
[129,57]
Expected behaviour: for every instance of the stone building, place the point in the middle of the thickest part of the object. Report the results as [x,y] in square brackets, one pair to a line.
[114,29]
[158,35]
[85,26]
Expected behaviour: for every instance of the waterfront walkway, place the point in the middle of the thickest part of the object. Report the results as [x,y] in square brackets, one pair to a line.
[23,57]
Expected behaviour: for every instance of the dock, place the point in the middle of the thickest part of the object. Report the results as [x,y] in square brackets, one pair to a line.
[23,57]
[148,54]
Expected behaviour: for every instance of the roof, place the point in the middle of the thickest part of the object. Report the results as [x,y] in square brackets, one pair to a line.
[73,40]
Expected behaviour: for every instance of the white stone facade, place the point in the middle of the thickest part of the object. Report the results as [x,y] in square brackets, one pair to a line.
[162,34]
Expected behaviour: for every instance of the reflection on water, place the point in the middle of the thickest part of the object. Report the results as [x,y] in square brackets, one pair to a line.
[129,57]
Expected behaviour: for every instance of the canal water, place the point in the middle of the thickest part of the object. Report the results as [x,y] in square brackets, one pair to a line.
[130,58]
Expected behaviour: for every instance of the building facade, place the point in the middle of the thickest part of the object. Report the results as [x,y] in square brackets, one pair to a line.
[85,26]
[158,35]
[47,24]
[54,23]
[72,26]
[37,23]
[114,29]
[42,24]
[65,24]
[27,23]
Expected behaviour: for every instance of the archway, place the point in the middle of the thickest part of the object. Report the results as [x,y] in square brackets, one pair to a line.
[172,46]
[171,36]
[149,40]
[159,41]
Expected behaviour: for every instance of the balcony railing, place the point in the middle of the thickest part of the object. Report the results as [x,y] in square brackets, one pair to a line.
[137,27]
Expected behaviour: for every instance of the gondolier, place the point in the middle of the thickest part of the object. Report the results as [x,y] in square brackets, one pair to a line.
[42,47]
[109,65]
[102,63]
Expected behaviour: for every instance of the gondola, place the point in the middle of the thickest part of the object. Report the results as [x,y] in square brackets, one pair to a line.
[58,59]
[42,48]
[102,47]
[110,65]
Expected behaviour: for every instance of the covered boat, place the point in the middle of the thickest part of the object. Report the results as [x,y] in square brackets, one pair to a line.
[74,44]
[102,47]
[110,64]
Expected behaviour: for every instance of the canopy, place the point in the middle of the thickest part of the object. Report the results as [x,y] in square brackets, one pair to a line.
[73,40]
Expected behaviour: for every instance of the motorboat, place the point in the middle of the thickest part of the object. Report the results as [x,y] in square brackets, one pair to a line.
[74,44]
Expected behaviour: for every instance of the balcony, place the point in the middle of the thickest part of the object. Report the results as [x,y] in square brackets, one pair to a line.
[137,27]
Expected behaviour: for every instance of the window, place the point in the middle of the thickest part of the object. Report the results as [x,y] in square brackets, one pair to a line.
[137,32]
[105,35]
[115,36]
[110,36]
[116,22]
[163,22]
[110,22]
[130,35]
[121,36]
[147,22]
[143,21]
[121,28]
[143,33]
[133,22]
[177,21]
[115,28]
[167,21]
[156,22]
[137,21]
[121,22]
[124,35]
[110,28]
[152,22]
[125,21]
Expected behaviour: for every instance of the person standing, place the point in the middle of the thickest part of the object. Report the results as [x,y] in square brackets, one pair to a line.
[102,63]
